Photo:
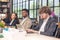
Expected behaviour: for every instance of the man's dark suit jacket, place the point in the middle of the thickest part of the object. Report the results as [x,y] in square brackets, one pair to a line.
[50,27]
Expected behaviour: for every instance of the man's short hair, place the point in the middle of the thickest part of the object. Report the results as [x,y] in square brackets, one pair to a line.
[26,10]
[45,9]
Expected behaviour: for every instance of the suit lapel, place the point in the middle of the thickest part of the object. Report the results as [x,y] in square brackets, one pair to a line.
[47,25]
[40,23]
[25,21]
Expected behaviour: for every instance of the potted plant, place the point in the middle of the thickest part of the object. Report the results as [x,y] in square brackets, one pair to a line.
[1,29]
[1,26]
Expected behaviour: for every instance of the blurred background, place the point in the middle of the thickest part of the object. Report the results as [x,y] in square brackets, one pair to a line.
[9,6]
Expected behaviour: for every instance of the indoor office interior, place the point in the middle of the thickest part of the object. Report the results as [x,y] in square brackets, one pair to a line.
[12,13]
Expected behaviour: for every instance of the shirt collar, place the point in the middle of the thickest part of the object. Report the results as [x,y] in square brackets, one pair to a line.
[47,18]
[25,17]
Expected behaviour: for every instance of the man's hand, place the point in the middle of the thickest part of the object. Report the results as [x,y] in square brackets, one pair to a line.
[31,31]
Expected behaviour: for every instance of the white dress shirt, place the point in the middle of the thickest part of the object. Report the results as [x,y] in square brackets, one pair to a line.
[43,25]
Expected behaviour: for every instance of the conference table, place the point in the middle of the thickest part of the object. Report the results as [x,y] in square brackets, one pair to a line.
[39,37]
[22,35]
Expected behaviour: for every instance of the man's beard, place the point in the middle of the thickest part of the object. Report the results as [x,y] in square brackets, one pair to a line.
[24,16]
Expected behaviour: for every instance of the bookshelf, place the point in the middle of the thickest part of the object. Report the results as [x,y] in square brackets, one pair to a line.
[4,6]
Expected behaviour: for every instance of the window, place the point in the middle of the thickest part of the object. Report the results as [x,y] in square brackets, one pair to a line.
[44,2]
[31,13]
[15,2]
[50,2]
[24,0]
[24,5]
[34,5]
[15,8]
[33,9]
[18,5]
[31,4]
[56,3]
[39,3]
[56,9]
[19,1]
[35,14]
[27,5]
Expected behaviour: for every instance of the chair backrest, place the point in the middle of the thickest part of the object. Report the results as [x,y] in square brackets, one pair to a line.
[57,33]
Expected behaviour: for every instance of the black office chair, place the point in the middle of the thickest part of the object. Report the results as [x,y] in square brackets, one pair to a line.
[57,34]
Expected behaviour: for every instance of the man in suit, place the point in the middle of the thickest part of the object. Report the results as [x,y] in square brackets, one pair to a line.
[48,26]
[26,22]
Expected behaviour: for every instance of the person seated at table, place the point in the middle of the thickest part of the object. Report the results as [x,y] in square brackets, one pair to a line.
[6,19]
[13,20]
[26,22]
[48,27]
